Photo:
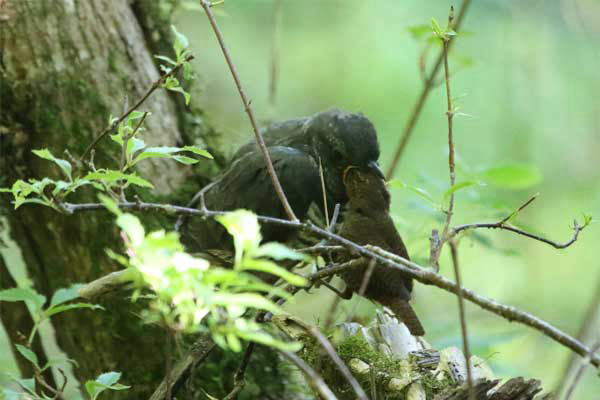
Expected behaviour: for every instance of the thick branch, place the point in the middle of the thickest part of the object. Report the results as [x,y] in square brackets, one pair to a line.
[422,274]
[259,139]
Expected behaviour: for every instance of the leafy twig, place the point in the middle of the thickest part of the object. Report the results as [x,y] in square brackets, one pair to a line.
[155,85]
[429,84]
[259,139]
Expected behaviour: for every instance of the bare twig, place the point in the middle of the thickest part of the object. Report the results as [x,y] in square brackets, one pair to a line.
[339,363]
[363,287]
[497,225]
[463,320]
[315,380]
[326,209]
[429,84]
[155,85]
[238,380]
[275,47]
[105,284]
[587,326]
[259,139]
[56,392]
[422,274]
[582,366]
[181,370]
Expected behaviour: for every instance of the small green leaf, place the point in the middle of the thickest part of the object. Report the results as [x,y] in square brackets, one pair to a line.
[185,160]
[110,204]
[23,294]
[273,269]
[66,307]
[198,151]
[185,94]
[28,354]
[279,251]
[419,31]
[111,176]
[459,186]
[132,227]
[59,361]
[515,176]
[437,30]
[268,340]
[248,300]
[65,294]
[155,152]
[104,381]
[166,59]
[396,183]
[181,43]
[64,165]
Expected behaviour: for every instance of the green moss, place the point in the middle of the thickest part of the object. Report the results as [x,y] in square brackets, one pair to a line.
[382,368]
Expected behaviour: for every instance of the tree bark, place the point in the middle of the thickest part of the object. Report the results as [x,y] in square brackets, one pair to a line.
[66,65]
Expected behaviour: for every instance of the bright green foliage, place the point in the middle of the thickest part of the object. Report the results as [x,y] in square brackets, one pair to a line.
[107,380]
[182,55]
[35,301]
[191,295]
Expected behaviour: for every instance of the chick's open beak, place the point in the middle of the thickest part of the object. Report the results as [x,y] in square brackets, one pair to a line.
[345,172]
[373,166]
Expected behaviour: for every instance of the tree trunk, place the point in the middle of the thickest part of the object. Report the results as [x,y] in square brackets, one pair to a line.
[65,66]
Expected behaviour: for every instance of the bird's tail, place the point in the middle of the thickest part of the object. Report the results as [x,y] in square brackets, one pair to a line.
[404,312]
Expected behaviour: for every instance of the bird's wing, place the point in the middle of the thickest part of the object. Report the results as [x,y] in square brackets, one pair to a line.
[247,184]
[272,135]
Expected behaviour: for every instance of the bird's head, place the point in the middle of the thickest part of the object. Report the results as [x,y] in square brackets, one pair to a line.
[366,191]
[342,139]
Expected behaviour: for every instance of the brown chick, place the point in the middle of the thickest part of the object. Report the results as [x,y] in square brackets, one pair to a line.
[367,221]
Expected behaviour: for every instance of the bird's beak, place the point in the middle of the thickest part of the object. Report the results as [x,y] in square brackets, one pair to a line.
[373,166]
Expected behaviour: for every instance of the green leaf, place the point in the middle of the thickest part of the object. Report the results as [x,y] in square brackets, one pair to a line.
[166,59]
[132,227]
[27,384]
[111,176]
[273,269]
[396,183]
[419,31]
[28,354]
[104,381]
[459,186]
[268,340]
[23,294]
[185,160]
[156,152]
[515,176]
[65,294]
[58,361]
[181,43]
[248,300]
[437,30]
[243,226]
[64,165]
[279,251]
[198,151]
[66,307]
[110,204]
[185,94]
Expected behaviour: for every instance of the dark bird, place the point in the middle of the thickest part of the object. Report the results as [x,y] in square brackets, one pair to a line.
[335,138]
[367,221]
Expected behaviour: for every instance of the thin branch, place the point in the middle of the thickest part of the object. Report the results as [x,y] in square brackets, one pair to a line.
[155,85]
[497,225]
[275,47]
[339,363]
[313,377]
[238,380]
[585,329]
[582,366]
[105,284]
[429,84]
[463,319]
[259,139]
[422,274]
[322,178]
[181,370]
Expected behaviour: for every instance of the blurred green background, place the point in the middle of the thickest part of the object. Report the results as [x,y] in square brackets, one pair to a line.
[527,73]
